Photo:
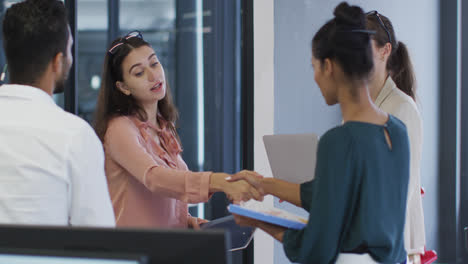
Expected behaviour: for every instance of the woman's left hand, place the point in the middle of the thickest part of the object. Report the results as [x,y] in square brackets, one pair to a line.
[194,222]
[275,231]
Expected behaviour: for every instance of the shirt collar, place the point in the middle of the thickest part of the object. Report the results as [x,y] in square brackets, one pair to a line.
[25,92]
[167,139]
[145,124]
[389,85]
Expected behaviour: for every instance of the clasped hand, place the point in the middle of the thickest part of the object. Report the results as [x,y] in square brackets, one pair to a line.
[242,186]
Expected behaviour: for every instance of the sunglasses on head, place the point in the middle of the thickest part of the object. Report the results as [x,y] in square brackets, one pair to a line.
[132,34]
[382,24]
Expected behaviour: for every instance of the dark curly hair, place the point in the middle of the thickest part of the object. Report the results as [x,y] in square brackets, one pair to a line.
[34,32]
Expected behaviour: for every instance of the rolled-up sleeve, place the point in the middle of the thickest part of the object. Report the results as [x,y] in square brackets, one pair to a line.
[125,145]
[307,192]
[327,198]
[292,241]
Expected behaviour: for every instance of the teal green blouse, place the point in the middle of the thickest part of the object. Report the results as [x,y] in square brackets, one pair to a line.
[357,200]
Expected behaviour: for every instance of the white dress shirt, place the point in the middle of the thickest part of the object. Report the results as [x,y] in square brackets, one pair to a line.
[393,101]
[51,164]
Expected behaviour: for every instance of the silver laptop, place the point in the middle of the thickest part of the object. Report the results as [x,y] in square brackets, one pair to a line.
[292,157]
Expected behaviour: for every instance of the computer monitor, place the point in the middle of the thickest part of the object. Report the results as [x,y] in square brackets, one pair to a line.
[168,246]
[35,256]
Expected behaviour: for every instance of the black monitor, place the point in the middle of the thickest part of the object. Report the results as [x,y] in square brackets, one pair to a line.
[168,246]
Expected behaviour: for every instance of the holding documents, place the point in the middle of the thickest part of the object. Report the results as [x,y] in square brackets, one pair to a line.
[272,215]
[357,199]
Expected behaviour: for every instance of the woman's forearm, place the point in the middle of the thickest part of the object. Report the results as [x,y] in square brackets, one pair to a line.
[287,191]
[277,232]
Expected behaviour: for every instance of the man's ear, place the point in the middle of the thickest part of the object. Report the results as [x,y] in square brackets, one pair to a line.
[122,87]
[57,63]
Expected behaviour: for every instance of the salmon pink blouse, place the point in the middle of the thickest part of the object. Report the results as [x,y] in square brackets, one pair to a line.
[149,182]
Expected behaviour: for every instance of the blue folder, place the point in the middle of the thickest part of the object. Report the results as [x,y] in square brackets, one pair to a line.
[276,220]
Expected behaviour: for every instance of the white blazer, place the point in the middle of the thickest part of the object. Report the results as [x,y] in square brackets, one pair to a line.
[393,101]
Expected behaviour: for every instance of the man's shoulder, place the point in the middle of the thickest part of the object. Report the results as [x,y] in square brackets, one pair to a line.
[69,122]
[81,137]
[73,128]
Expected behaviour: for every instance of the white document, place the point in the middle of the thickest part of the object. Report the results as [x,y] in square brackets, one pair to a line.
[260,211]
[292,157]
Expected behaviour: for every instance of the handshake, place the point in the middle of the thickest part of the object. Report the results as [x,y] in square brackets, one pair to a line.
[242,186]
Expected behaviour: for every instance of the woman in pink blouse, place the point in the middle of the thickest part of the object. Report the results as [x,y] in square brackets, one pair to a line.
[149,182]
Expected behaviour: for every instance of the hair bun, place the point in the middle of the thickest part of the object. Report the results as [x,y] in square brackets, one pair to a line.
[349,17]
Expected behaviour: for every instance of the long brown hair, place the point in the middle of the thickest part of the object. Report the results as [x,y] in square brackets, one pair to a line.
[399,63]
[112,102]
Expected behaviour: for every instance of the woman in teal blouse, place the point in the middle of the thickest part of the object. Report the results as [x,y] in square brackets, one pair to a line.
[357,200]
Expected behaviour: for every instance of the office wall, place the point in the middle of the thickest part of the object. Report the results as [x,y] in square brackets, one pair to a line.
[263,108]
[298,105]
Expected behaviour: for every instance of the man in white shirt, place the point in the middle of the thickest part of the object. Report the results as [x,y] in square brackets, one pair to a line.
[51,162]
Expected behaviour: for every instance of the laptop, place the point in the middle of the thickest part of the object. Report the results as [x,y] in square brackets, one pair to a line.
[292,157]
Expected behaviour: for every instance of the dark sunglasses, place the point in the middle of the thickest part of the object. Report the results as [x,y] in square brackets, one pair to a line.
[133,34]
[382,24]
